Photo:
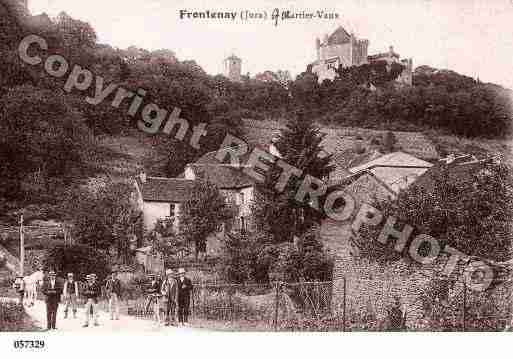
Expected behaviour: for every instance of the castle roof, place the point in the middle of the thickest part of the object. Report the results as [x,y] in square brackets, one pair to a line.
[383,55]
[339,36]
[233,57]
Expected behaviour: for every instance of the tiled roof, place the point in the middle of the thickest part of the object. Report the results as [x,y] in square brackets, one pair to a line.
[457,173]
[397,170]
[223,176]
[161,189]
[393,159]
[339,36]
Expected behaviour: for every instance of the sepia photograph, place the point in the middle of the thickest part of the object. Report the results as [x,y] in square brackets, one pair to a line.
[176,167]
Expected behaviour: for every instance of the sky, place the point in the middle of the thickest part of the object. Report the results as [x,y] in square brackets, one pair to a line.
[472,37]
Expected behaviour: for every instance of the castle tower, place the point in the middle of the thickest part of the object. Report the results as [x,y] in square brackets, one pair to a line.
[318,48]
[233,68]
[24,3]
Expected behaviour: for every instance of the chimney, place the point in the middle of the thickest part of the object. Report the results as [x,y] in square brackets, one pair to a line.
[142,176]
[272,148]
[391,50]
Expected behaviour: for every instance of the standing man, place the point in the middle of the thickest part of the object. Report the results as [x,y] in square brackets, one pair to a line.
[154,295]
[70,295]
[19,287]
[184,297]
[52,289]
[91,293]
[113,289]
[170,293]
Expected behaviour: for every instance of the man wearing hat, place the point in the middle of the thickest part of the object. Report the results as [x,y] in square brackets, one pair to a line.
[170,292]
[113,288]
[52,289]
[19,287]
[154,295]
[70,294]
[184,296]
[91,293]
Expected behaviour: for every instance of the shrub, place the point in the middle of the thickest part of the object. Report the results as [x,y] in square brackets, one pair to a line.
[306,261]
[11,316]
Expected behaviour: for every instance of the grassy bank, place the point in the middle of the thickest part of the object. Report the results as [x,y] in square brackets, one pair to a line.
[13,318]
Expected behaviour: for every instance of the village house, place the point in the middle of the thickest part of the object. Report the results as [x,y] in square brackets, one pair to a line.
[160,198]
[237,187]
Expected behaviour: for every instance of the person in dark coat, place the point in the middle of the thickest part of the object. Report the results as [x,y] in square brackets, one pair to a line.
[170,295]
[396,316]
[52,289]
[70,294]
[153,293]
[184,297]
[113,288]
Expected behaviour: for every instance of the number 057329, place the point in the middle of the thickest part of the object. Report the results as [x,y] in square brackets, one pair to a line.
[29,344]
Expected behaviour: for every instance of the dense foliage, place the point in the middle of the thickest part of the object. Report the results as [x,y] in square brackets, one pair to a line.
[474,216]
[78,259]
[107,219]
[255,258]
[202,214]
[279,213]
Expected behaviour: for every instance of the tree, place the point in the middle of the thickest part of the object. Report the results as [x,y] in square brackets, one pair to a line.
[106,219]
[280,214]
[165,239]
[44,144]
[202,214]
[305,260]
[77,259]
[248,258]
[473,216]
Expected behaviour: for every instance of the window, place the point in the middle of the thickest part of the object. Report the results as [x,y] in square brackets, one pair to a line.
[242,198]
[172,209]
[242,225]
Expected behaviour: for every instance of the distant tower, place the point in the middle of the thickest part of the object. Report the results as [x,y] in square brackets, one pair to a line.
[233,68]
[24,3]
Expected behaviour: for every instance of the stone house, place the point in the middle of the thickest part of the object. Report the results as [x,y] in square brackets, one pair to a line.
[237,187]
[160,198]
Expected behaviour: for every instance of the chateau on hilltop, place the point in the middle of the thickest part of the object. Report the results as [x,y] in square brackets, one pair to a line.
[24,3]
[342,48]
[233,68]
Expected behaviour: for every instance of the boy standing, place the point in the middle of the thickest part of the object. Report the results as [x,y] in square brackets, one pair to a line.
[91,293]
[70,294]
[113,288]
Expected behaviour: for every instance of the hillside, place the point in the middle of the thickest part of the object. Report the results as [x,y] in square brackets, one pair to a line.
[58,150]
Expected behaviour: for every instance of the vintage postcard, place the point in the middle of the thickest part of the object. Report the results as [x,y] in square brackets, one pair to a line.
[257,166]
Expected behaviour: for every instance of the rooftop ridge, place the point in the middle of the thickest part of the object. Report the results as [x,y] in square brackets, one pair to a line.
[168,178]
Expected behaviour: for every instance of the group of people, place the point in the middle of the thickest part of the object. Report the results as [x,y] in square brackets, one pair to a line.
[174,292]
[55,289]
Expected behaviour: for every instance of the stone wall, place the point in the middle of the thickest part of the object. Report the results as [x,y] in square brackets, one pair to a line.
[370,287]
